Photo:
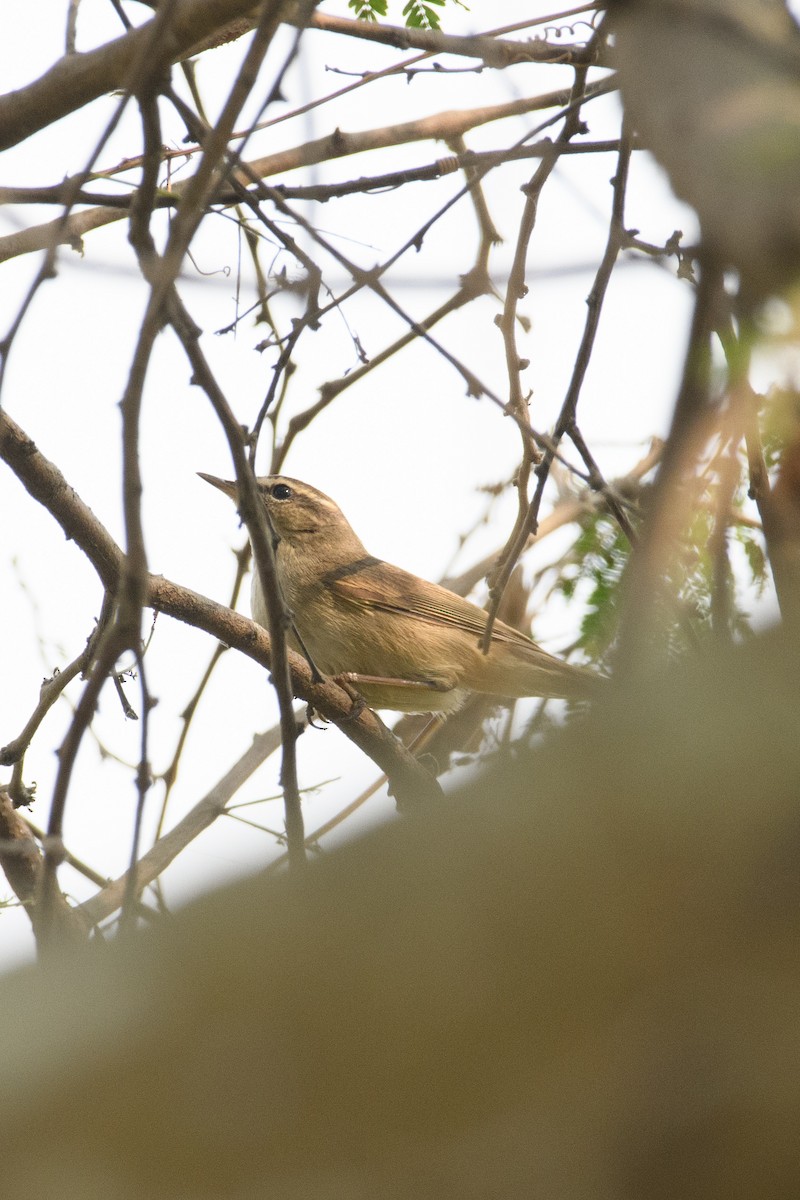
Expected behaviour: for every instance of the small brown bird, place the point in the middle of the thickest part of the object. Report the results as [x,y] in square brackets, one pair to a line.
[402,642]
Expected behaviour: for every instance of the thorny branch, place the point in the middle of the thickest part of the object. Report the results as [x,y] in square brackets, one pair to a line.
[71,229]
[525,523]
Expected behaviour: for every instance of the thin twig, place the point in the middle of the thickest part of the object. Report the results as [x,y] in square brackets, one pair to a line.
[170,775]
[527,515]
[50,691]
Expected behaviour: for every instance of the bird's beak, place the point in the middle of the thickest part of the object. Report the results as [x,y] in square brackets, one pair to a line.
[228,486]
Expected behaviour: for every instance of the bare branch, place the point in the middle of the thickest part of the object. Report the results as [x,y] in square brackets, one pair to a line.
[77,79]
[441,126]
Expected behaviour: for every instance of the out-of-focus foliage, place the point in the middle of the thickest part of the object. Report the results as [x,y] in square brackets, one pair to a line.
[593,569]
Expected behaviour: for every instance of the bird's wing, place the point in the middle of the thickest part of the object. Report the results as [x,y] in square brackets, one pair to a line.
[387,588]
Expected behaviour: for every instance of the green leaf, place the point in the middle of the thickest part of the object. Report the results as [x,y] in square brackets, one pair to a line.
[421,16]
[368,10]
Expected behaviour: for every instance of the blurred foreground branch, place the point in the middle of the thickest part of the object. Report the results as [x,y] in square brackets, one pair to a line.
[439,1010]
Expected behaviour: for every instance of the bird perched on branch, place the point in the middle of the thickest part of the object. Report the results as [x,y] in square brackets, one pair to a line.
[402,642]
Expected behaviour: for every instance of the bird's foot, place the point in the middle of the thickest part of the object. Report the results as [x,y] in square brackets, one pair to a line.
[358,701]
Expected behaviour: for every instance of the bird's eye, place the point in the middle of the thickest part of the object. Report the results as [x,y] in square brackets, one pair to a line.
[281,491]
